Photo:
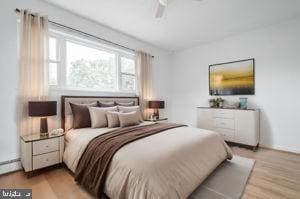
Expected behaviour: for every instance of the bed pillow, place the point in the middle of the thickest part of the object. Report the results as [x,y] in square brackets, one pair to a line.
[98,116]
[129,119]
[127,109]
[112,119]
[125,103]
[81,115]
[106,104]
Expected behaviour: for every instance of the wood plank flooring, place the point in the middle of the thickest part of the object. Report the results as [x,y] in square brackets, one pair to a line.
[275,175]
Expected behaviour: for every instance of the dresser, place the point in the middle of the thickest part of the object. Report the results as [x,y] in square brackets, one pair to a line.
[235,125]
[41,151]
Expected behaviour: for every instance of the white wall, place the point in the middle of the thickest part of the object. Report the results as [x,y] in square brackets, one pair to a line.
[9,142]
[276,51]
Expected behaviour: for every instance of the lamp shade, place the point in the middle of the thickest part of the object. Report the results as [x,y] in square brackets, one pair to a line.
[156,104]
[42,108]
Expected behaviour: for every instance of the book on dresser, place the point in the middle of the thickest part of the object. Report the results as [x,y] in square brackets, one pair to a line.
[235,125]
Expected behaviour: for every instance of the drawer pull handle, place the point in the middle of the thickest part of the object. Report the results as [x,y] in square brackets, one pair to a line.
[47,160]
[47,146]
[222,123]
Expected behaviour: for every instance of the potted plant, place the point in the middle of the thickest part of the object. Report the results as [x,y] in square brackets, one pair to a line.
[220,102]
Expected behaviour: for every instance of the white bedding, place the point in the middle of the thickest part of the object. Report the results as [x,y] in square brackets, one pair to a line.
[170,164]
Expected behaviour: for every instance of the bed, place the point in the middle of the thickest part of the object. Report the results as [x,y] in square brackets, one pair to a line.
[170,164]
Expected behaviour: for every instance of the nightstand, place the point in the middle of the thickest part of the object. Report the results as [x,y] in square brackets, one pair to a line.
[160,120]
[41,151]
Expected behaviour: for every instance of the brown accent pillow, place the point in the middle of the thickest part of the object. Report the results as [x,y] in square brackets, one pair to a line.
[106,104]
[125,103]
[113,119]
[81,115]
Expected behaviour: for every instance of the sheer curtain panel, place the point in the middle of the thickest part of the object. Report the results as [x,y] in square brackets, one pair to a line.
[33,67]
[144,80]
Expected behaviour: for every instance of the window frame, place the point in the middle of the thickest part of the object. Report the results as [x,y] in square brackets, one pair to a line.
[57,61]
[124,73]
[64,37]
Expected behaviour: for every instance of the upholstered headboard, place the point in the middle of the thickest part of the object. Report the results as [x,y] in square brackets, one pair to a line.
[66,112]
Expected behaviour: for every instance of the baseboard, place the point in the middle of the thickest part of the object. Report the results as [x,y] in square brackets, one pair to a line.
[281,150]
[10,166]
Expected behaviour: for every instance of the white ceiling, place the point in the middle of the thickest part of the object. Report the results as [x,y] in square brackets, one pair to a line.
[186,23]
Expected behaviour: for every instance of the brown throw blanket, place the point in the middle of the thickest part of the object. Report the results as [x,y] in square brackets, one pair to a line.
[93,165]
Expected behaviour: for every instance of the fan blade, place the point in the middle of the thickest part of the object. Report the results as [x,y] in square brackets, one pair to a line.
[162,4]
[160,11]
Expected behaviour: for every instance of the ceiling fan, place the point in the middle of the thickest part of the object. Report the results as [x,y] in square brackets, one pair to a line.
[162,4]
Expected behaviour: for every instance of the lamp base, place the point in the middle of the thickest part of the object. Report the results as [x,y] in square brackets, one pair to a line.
[156,114]
[43,126]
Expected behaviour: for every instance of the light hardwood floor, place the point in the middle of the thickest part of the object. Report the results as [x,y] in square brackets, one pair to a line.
[275,175]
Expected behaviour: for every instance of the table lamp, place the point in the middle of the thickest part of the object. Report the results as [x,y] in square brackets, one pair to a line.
[42,109]
[156,105]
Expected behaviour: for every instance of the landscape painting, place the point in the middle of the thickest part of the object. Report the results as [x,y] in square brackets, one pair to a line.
[232,78]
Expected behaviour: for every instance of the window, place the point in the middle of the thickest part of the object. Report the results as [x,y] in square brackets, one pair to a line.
[82,64]
[127,74]
[53,61]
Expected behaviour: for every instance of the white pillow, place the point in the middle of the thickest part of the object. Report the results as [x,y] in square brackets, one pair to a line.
[127,109]
[113,119]
[98,116]
[129,119]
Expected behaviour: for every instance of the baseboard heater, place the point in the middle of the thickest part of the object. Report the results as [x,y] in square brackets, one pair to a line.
[10,166]
[10,161]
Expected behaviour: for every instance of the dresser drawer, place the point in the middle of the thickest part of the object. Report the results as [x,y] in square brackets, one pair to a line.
[223,114]
[227,134]
[45,146]
[44,160]
[223,123]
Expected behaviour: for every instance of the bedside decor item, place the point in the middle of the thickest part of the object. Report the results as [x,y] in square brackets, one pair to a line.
[232,78]
[243,103]
[156,105]
[42,109]
[56,132]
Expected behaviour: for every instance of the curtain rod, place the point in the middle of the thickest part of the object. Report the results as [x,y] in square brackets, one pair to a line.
[84,33]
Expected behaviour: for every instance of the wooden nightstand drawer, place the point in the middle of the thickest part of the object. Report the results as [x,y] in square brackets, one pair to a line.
[44,160]
[45,146]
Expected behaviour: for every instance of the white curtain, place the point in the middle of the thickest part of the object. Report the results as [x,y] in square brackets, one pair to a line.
[33,67]
[144,80]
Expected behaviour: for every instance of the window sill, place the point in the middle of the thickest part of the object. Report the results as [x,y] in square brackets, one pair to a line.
[94,92]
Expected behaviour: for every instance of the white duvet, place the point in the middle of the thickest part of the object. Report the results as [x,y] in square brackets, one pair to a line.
[170,164]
